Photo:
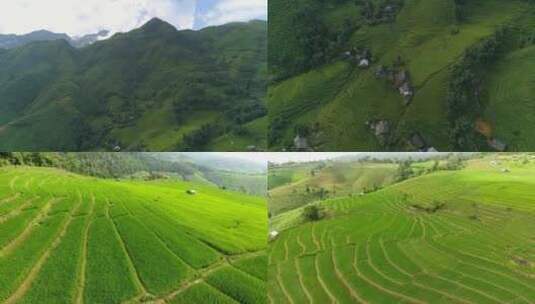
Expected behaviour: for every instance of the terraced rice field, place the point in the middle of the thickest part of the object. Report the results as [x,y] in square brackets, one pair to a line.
[66,238]
[386,247]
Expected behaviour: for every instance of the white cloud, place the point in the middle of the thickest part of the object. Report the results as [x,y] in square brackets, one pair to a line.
[78,17]
[224,11]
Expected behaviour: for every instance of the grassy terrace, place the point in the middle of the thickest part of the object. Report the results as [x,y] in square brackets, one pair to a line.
[66,238]
[393,246]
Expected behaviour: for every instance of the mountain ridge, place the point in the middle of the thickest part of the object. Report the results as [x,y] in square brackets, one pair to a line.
[152,88]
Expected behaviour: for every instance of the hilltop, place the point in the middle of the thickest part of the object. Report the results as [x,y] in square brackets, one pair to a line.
[401,75]
[153,88]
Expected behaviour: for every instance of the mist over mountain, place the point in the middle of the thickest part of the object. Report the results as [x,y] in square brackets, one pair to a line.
[10,41]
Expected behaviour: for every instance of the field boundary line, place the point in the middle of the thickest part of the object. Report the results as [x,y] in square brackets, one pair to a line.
[131,267]
[9,199]
[27,283]
[28,230]
[343,280]
[280,283]
[17,210]
[12,182]
[316,242]
[300,277]
[28,183]
[387,257]
[486,270]
[372,265]
[322,283]
[433,274]
[378,286]
[83,264]
[301,245]
[286,249]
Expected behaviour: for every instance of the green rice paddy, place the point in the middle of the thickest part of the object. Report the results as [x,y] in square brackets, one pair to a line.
[395,246]
[67,238]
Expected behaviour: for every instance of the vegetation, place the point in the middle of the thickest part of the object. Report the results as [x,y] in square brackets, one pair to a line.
[68,238]
[450,236]
[145,166]
[459,63]
[150,89]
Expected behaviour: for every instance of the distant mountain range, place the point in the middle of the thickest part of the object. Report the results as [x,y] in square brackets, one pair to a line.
[12,41]
[151,89]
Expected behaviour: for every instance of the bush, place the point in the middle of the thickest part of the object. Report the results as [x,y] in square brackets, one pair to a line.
[312,213]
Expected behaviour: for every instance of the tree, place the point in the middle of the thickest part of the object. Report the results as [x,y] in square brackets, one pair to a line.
[312,213]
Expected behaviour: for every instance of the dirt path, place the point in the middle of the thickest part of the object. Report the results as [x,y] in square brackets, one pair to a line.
[28,230]
[133,271]
[201,274]
[27,283]
[9,199]
[16,211]
[83,262]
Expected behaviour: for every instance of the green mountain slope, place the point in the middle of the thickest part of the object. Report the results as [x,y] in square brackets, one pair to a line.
[456,55]
[447,237]
[154,88]
[67,238]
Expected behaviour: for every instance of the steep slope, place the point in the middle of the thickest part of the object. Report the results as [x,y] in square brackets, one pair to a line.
[448,49]
[67,238]
[447,237]
[154,88]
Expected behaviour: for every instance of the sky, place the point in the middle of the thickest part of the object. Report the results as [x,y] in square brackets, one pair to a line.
[80,17]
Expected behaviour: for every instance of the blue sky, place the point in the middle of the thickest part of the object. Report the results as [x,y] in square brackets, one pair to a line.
[215,12]
[79,17]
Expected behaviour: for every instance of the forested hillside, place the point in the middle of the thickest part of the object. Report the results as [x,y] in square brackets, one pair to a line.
[140,166]
[154,88]
[401,75]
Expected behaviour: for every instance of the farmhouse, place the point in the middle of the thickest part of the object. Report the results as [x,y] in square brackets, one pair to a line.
[273,234]
[406,91]
[380,128]
[364,63]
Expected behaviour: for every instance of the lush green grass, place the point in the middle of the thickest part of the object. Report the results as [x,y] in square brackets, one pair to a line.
[510,107]
[383,247]
[110,241]
[126,91]
[337,98]
[289,183]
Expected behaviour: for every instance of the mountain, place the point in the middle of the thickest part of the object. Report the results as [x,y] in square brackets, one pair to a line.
[401,75]
[12,41]
[153,88]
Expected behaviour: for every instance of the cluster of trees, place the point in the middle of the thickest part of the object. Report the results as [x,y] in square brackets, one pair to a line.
[379,11]
[196,140]
[313,213]
[464,95]
[107,165]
